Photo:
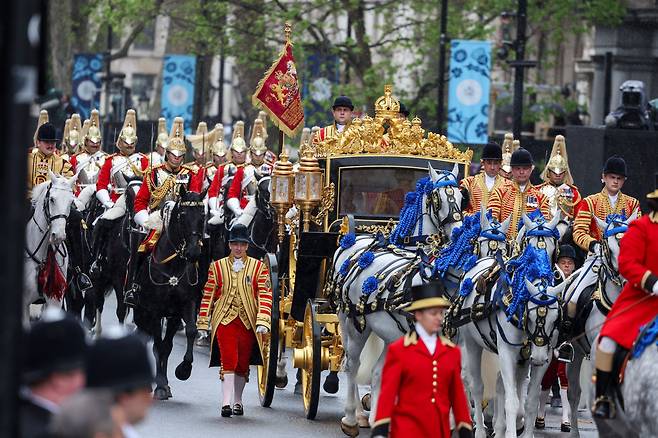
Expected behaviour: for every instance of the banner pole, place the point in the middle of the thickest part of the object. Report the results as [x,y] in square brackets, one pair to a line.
[281,140]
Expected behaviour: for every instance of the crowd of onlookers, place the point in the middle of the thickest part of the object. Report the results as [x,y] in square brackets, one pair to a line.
[73,388]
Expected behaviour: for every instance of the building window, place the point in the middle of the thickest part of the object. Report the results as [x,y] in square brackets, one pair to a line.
[146,39]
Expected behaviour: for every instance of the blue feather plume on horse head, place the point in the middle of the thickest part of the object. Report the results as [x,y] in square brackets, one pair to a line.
[459,252]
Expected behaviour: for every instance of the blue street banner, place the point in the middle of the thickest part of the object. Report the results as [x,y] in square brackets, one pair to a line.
[468,99]
[86,83]
[178,73]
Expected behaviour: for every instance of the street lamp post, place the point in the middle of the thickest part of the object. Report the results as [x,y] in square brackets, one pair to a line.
[519,65]
[440,112]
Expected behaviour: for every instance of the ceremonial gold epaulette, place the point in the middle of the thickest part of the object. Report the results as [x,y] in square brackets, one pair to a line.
[189,167]
[447,342]
[411,338]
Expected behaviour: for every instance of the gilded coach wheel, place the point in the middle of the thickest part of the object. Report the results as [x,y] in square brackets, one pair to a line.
[307,359]
[270,346]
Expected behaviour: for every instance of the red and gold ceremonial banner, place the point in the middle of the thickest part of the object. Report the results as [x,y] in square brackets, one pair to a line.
[278,94]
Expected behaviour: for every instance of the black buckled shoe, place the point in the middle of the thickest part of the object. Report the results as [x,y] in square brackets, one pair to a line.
[227,411]
[603,408]
[238,409]
[130,296]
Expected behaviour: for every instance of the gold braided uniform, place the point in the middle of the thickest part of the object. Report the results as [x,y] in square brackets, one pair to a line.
[585,228]
[38,165]
[508,200]
[478,192]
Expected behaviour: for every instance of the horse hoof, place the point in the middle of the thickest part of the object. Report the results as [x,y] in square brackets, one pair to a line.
[349,430]
[160,394]
[363,421]
[298,388]
[331,384]
[184,370]
[365,402]
[168,388]
[281,382]
[520,431]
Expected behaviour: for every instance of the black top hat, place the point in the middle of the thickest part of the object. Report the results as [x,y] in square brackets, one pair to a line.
[403,110]
[521,157]
[343,101]
[428,295]
[566,251]
[119,364]
[239,233]
[53,345]
[47,132]
[492,151]
[615,165]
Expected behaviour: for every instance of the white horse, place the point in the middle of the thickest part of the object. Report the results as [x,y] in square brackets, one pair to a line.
[533,304]
[599,270]
[46,229]
[371,281]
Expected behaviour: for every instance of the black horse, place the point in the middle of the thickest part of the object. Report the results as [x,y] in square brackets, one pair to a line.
[78,243]
[262,229]
[170,285]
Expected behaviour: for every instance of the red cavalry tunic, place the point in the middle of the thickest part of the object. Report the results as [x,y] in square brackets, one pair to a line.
[104,176]
[157,177]
[418,389]
[638,263]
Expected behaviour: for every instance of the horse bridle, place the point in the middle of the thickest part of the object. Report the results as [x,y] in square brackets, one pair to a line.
[540,337]
[494,236]
[49,221]
[179,250]
[449,182]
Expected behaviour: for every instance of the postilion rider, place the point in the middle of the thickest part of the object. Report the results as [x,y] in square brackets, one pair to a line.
[421,380]
[236,307]
[161,184]
[636,306]
[480,186]
[342,111]
[43,158]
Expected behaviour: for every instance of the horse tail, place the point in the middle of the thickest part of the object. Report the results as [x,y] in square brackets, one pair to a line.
[372,349]
[490,370]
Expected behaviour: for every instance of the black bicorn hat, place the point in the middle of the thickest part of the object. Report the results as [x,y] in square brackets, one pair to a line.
[343,101]
[119,364]
[492,151]
[616,165]
[47,132]
[404,110]
[566,251]
[239,233]
[426,295]
[521,157]
[56,343]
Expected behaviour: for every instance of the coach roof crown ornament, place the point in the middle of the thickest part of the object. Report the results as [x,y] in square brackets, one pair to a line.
[387,106]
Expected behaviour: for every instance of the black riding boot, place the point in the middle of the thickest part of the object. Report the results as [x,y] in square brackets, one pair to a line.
[131,295]
[100,239]
[565,349]
[603,404]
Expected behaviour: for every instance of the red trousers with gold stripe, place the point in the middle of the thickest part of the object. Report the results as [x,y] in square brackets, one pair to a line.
[235,343]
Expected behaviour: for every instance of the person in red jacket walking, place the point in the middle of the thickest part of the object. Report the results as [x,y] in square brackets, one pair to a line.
[636,306]
[421,381]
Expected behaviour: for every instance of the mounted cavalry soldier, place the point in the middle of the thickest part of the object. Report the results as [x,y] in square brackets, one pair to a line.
[587,235]
[89,162]
[72,137]
[517,196]
[161,185]
[638,263]
[219,153]
[243,186]
[216,193]
[480,186]
[558,185]
[236,308]
[421,380]
[201,146]
[43,158]
[118,170]
[157,156]
[342,111]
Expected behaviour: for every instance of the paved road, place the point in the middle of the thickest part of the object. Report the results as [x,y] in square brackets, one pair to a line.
[194,409]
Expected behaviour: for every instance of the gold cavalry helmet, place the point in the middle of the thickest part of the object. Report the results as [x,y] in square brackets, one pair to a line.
[257,142]
[219,147]
[163,136]
[75,131]
[85,127]
[176,144]
[508,149]
[65,133]
[558,162]
[94,134]
[43,118]
[129,131]
[238,144]
[202,140]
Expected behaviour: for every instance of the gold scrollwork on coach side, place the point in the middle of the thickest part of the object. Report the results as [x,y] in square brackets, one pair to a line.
[373,229]
[326,204]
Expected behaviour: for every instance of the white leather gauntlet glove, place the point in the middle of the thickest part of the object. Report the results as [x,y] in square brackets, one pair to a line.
[141,217]
[261,329]
[104,197]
